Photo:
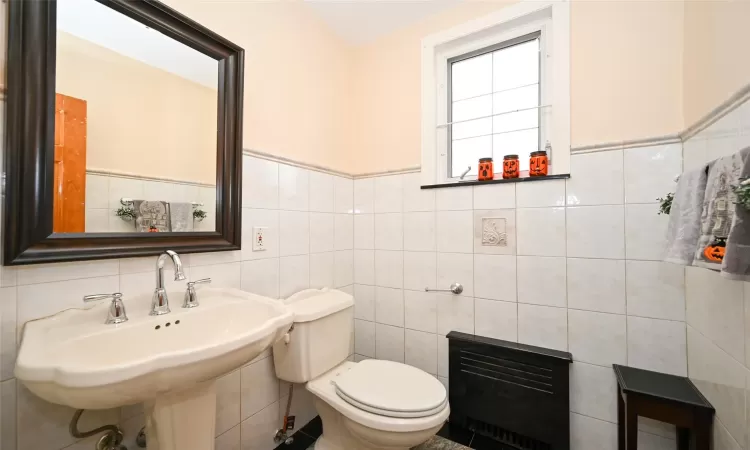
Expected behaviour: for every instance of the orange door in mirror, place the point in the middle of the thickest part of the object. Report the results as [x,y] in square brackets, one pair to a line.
[70,165]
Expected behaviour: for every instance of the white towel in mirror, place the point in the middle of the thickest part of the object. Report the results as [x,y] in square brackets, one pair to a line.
[181,215]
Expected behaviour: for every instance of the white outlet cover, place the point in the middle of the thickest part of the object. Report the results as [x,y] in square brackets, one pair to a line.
[259,244]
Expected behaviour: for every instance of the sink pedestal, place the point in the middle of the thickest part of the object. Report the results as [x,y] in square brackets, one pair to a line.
[182,420]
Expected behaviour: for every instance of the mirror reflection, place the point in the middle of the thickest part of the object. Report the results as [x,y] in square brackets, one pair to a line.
[135,127]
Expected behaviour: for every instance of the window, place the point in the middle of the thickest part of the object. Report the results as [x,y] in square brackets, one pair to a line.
[496,86]
[493,104]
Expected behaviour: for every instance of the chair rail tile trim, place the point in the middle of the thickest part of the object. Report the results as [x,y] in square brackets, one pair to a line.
[133,176]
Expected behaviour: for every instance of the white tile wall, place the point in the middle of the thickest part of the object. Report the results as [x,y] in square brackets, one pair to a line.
[591,390]
[596,231]
[596,285]
[599,181]
[575,277]
[543,326]
[103,194]
[308,244]
[650,172]
[393,239]
[717,309]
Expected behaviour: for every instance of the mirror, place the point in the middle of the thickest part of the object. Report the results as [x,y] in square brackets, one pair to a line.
[124,133]
[135,126]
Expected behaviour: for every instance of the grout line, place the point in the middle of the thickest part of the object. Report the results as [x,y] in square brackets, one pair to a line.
[515,251]
[625,253]
[684,279]
[615,423]
[567,296]
[716,345]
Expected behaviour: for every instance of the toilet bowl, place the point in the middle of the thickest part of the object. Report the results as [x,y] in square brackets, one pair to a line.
[370,405]
[378,405]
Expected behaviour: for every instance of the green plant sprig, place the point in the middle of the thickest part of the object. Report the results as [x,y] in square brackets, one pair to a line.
[665,204]
[199,215]
[125,213]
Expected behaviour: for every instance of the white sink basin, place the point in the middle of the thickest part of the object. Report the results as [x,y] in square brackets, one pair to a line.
[74,359]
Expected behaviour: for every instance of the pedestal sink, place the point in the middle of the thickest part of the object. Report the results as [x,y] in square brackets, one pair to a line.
[169,362]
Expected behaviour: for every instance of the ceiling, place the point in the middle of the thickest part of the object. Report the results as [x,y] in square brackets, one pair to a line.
[363,21]
[103,26]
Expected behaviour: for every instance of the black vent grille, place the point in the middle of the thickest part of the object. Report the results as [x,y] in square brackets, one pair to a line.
[513,393]
[507,437]
[525,375]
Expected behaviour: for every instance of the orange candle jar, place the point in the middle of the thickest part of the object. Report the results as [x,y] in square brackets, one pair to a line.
[538,164]
[486,169]
[510,166]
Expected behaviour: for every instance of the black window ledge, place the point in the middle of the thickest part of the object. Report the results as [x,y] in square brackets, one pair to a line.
[561,176]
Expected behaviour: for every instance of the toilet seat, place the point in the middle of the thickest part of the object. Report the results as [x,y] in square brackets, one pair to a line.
[324,390]
[391,389]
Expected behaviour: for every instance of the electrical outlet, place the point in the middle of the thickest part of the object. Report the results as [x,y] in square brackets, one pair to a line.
[259,239]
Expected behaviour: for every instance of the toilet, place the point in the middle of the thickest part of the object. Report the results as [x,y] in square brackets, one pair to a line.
[370,405]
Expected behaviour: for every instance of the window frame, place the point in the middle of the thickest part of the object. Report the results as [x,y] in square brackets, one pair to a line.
[552,20]
[518,40]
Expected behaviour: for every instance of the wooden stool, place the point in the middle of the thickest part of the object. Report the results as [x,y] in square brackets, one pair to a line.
[663,397]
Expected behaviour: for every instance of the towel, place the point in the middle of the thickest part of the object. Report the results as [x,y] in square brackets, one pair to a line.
[736,263]
[151,214]
[181,216]
[718,210]
[685,217]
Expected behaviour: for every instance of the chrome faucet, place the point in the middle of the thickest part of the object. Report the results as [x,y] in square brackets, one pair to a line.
[191,297]
[116,313]
[160,302]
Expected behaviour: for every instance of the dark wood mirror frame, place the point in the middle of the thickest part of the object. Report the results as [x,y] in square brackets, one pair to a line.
[29,143]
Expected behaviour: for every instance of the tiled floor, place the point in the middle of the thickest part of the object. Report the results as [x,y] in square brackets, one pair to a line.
[448,438]
[469,439]
[440,443]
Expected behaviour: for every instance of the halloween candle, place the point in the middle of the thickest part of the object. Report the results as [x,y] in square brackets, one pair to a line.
[510,166]
[486,169]
[538,164]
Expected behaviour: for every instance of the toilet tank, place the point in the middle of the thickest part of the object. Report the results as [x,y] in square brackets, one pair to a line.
[321,338]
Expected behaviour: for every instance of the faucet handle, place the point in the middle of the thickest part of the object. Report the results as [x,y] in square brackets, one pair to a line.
[191,297]
[201,281]
[116,308]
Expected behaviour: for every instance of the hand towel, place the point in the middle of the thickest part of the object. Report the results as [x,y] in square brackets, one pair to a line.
[718,210]
[181,216]
[685,217]
[151,214]
[736,263]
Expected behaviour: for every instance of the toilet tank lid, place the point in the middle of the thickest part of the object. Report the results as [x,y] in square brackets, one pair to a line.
[312,304]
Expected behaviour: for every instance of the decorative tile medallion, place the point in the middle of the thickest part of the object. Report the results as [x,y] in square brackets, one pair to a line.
[494,232]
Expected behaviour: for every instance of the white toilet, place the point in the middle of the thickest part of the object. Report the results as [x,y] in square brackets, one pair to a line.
[371,405]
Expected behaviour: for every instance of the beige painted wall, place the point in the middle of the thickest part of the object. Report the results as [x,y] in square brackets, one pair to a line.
[297,77]
[141,120]
[716,61]
[386,93]
[313,98]
[626,71]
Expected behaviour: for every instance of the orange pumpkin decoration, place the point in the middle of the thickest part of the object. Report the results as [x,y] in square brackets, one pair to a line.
[715,251]
[510,166]
[538,164]
[486,169]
